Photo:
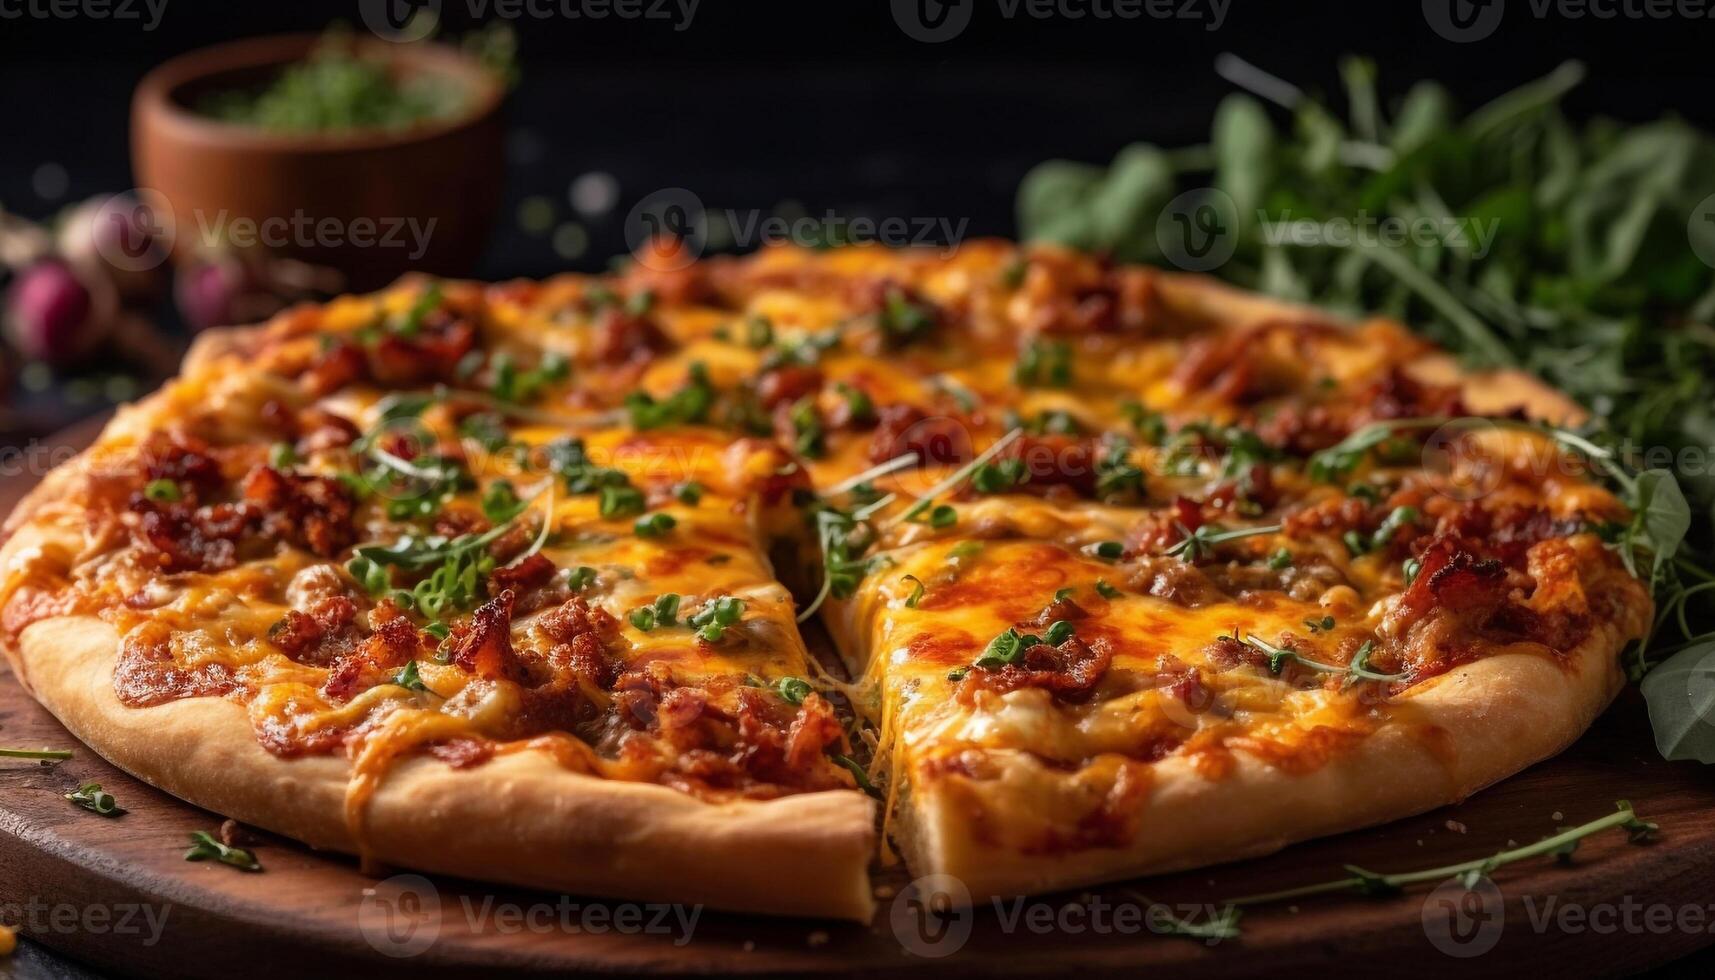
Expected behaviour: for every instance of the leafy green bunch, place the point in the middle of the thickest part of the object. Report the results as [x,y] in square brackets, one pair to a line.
[1568,250]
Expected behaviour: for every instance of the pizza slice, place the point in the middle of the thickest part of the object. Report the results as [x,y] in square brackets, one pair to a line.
[348,580]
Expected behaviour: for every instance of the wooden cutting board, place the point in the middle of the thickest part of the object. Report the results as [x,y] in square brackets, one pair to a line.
[118,892]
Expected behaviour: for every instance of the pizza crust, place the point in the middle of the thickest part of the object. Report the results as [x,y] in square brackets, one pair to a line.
[519,818]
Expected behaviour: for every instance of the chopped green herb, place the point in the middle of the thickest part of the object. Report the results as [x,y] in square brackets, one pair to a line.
[282,456]
[162,491]
[792,690]
[91,797]
[205,846]
[654,526]
[1044,364]
[917,590]
[407,677]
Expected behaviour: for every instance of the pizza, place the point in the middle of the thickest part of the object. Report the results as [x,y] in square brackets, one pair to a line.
[1123,571]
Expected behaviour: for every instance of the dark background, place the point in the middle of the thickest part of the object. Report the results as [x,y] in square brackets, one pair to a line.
[829,104]
[819,106]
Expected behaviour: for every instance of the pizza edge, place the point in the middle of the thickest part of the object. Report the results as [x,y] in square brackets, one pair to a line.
[521,818]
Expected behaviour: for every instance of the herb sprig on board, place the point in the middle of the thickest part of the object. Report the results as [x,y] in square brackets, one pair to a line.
[1375,884]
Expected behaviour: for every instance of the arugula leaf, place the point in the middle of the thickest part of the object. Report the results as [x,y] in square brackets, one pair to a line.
[1680,694]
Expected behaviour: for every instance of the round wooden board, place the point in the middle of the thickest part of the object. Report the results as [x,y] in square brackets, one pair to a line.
[117,892]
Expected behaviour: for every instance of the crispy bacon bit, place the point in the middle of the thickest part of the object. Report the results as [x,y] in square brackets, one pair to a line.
[319,429]
[1066,609]
[522,577]
[624,338]
[1455,578]
[812,731]
[786,384]
[146,674]
[902,429]
[394,643]
[463,753]
[1070,671]
[432,354]
[1179,582]
[312,512]
[179,537]
[484,646]
[339,365]
[1072,294]
[319,635]
[1056,461]
[1400,396]
[1184,683]
[1228,652]
[182,459]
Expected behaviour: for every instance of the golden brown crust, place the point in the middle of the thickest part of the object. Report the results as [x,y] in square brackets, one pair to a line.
[519,818]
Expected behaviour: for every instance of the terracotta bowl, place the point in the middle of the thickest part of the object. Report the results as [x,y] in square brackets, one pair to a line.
[369,204]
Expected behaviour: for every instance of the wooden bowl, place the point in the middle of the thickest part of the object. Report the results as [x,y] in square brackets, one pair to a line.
[370,204]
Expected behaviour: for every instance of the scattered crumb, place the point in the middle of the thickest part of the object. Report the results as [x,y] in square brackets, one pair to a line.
[884,892]
[1511,843]
[818,938]
[1457,827]
[1293,909]
[1420,842]
[749,946]
[1557,816]
[234,834]
[8,940]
